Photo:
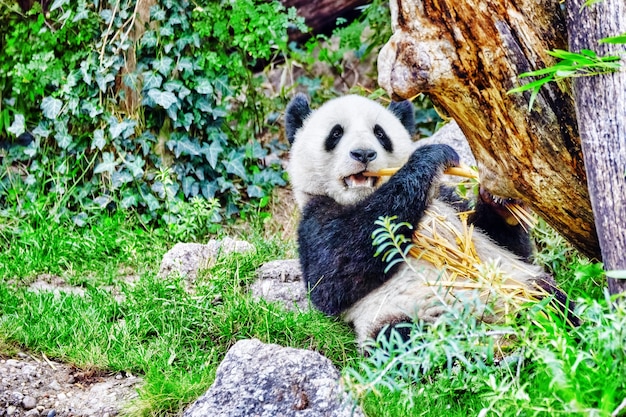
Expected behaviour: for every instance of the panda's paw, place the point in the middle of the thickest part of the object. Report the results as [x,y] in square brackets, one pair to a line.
[437,156]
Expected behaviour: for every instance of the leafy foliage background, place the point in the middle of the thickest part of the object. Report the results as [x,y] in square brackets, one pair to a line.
[69,76]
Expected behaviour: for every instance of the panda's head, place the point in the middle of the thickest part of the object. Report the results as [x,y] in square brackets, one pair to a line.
[332,146]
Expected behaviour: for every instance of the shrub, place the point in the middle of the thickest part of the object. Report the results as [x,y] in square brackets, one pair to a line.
[70,75]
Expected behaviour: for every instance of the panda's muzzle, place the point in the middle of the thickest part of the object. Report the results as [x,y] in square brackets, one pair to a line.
[359,180]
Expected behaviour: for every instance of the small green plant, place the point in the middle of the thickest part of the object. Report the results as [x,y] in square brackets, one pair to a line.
[570,65]
[392,245]
[189,221]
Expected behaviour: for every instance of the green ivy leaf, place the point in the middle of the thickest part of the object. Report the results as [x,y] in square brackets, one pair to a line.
[98,139]
[135,165]
[51,107]
[185,64]
[191,188]
[187,147]
[121,177]
[163,65]
[64,139]
[164,99]
[151,80]
[81,15]
[235,166]
[108,164]
[254,191]
[129,201]
[204,86]
[124,129]
[151,201]
[18,126]
[92,109]
[103,80]
[157,13]
[208,189]
[212,151]
[149,39]
[166,31]
[85,71]
[58,3]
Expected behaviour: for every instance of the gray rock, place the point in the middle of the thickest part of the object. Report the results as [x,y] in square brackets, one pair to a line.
[451,134]
[28,402]
[188,258]
[281,281]
[256,379]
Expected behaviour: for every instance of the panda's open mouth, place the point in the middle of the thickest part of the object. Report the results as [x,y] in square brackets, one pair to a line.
[360,181]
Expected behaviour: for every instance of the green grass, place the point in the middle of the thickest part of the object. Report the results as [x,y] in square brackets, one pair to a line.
[175,340]
[151,326]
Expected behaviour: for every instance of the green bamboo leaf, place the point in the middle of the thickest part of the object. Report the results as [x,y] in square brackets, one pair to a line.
[616,274]
[536,73]
[565,73]
[533,85]
[572,56]
[614,39]
[589,53]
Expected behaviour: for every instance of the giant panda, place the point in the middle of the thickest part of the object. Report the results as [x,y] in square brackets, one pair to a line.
[331,148]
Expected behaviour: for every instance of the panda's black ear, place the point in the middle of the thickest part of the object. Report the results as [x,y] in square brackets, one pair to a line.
[404,111]
[297,110]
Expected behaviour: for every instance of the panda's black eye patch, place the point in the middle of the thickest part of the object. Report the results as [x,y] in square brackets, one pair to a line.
[382,137]
[333,138]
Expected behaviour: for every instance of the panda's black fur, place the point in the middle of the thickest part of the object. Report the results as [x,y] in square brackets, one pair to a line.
[339,209]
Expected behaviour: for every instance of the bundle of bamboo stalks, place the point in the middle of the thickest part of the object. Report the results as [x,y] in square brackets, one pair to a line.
[452,252]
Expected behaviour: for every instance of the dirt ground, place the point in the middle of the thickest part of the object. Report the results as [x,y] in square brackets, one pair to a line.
[37,386]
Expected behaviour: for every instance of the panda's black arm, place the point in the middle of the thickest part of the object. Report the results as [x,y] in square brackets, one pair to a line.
[335,241]
[489,216]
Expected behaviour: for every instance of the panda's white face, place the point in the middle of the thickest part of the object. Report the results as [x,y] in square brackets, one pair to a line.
[338,142]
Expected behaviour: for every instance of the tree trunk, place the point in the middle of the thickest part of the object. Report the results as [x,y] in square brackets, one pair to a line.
[466,55]
[321,16]
[601,110]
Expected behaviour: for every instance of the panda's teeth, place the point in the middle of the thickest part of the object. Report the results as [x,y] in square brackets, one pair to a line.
[359,180]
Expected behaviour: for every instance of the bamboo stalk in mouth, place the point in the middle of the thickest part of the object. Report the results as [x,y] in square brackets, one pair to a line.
[460,171]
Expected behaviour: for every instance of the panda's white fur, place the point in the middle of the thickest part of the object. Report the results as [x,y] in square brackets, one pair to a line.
[333,249]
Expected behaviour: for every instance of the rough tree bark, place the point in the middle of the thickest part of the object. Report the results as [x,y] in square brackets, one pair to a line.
[321,15]
[466,55]
[601,110]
